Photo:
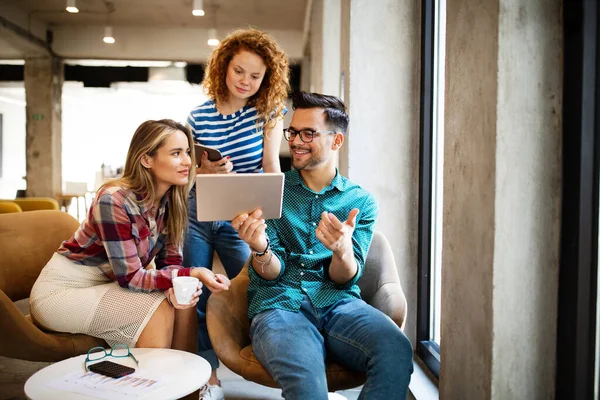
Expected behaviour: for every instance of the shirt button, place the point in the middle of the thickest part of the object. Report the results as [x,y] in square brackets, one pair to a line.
[310,252]
[314,224]
[302,265]
[316,196]
[301,273]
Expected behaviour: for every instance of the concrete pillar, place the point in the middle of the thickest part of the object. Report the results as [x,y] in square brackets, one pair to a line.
[502,171]
[380,45]
[43,91]
[305,74]
[316,47]
[325,46]
[331,47]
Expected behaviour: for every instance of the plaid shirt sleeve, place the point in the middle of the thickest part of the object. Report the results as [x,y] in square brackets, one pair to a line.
[113,224]
[169,257]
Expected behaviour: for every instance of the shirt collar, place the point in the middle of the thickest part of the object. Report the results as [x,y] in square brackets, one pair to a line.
[147,205]
[294,178]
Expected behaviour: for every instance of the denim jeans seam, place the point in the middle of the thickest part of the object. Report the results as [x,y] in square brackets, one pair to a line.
[366,387]
[264,351]
[351,343]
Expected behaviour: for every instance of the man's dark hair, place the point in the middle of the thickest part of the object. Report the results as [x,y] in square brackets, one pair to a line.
[335,110]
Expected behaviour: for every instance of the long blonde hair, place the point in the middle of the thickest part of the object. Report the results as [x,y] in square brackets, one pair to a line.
[147,139]
[273,92]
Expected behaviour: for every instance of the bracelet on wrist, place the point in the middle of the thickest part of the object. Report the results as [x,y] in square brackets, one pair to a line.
[263,263]
[262,253]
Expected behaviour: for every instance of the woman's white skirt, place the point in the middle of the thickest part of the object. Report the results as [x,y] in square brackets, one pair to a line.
[69,297]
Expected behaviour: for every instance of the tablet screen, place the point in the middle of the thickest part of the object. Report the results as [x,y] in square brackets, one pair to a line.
[222,197]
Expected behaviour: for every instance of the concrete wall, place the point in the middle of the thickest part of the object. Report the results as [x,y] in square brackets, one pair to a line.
[380,62]
[501,199]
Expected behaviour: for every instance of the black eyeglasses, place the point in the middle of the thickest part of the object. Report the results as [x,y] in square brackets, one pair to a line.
[118,350]
[306,135]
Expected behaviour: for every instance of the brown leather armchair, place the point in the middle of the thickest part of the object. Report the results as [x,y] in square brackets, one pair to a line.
[228,325]
[27,242]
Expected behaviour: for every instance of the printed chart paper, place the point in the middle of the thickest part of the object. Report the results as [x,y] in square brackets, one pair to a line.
[135,386]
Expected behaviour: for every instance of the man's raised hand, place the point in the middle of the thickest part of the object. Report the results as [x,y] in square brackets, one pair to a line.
[337,235]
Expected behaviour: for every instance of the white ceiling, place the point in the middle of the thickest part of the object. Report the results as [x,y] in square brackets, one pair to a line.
[226,14]
[144,29]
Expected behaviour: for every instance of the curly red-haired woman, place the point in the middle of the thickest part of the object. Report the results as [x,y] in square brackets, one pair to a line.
[247,81]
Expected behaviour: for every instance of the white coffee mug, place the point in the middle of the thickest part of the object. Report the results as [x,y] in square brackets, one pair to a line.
[185,287]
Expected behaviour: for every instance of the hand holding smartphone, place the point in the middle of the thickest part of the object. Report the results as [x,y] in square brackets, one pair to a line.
[213,154]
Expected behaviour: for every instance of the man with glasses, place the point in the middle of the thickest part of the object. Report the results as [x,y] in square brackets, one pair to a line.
[303,297]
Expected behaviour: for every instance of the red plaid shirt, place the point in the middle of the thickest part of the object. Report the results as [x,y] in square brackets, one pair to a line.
[121,236]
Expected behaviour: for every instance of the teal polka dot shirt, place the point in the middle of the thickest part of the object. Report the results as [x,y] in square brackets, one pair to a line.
[304,259]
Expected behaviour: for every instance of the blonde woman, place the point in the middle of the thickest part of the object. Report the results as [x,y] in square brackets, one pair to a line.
[99,281]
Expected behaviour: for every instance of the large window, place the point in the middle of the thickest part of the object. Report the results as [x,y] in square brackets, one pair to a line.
[431,182]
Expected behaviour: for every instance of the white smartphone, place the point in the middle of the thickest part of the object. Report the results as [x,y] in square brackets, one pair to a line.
[213,154]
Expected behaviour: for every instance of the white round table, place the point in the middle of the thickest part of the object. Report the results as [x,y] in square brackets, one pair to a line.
[184,373]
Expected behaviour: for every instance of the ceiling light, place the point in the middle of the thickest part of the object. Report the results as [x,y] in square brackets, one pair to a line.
[71,7]
[198,10]
[108,35]
[212,37]
[118,63]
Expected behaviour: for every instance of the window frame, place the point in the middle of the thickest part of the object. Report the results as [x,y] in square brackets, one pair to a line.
[427,349]
[576,374]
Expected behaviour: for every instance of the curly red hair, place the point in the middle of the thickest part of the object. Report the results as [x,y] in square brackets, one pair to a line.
[270,98]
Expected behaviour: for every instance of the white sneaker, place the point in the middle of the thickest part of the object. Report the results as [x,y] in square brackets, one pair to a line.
[336,396]
[212,392]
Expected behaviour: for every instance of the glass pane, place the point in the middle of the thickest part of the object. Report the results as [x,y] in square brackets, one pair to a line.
[437,167]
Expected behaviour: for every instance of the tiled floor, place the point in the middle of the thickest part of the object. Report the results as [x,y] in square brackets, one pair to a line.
[14,373]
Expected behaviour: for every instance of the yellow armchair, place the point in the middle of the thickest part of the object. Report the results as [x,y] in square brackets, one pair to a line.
[35,203]
[9,207]
[27,241]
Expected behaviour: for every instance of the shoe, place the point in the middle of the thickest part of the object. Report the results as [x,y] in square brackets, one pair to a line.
[336,396]
[212,392]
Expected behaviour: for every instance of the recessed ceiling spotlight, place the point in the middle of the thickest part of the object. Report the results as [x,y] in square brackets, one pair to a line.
[212,37]
[108,35]
[72,7]
[198,10]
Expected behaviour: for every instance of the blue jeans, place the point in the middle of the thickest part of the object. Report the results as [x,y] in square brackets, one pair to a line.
[292,347]
[201,240]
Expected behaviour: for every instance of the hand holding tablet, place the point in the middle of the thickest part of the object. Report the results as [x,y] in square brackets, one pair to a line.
[222,197]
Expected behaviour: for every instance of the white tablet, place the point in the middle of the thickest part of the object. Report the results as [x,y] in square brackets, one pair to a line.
[222,197]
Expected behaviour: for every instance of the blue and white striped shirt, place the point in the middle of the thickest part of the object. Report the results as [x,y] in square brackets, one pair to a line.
[237,135]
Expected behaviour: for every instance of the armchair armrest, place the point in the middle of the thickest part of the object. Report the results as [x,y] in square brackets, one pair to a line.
[23,340]
[227,317]
[380,285]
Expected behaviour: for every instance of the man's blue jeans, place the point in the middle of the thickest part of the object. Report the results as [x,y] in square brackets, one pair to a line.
[292,347]
[201,240]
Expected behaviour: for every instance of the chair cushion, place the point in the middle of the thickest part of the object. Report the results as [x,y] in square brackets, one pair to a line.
[338,376]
